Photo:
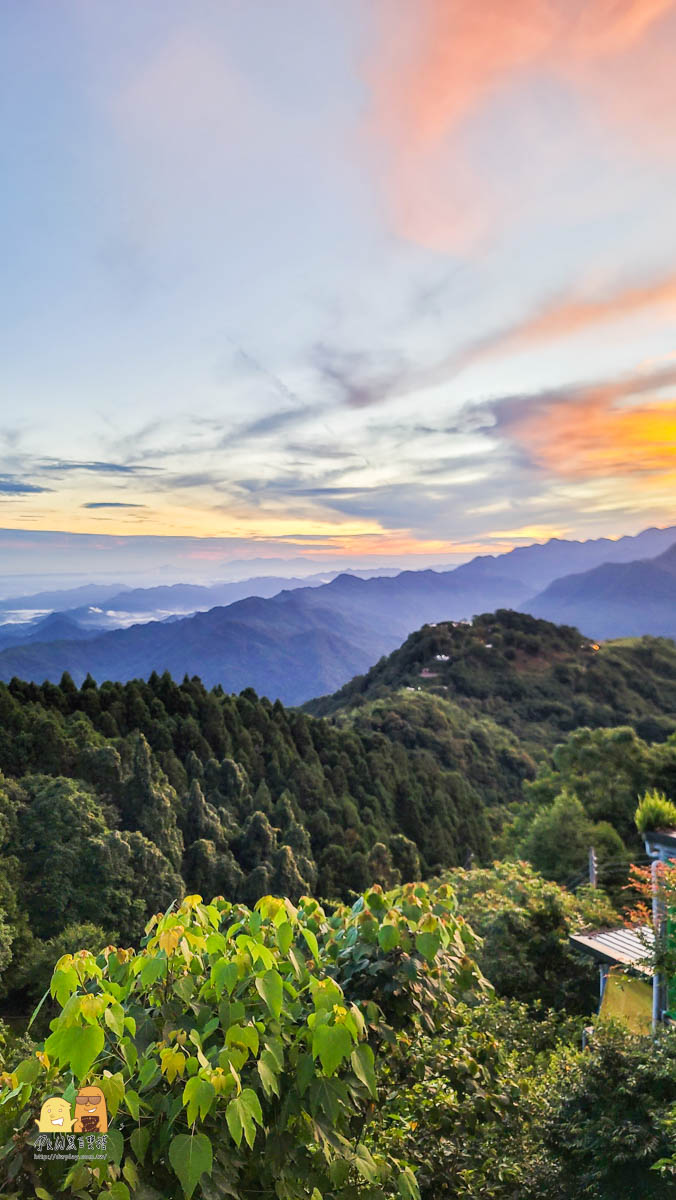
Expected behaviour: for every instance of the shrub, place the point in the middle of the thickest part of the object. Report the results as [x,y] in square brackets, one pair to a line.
[237,1049]
[655,812]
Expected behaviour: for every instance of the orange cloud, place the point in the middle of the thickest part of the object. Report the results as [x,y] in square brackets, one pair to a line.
[439,62]
[613,26]
[573,314]
[592,435]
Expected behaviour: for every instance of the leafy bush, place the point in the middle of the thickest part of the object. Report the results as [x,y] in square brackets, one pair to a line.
[558,840]
[604,1119]
[655,812]
[525,922]
[237,1049]
[460,1105]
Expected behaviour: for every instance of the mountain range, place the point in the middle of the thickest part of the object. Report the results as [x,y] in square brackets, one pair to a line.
[615,599]
[312,636]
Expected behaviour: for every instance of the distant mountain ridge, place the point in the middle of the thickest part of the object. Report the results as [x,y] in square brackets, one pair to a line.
[615,599]
[536,566]
[305,641]
[292,646]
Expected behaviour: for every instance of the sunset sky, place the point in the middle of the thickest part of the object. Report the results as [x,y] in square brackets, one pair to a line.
[366,280]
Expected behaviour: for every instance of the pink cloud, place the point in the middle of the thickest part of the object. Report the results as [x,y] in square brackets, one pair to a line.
[439,63]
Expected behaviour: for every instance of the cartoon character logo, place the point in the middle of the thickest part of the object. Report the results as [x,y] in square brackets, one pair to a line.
[55,1116]
[90,1111]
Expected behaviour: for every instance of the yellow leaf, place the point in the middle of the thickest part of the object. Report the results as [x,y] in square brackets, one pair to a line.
[172,1063]
[169,939]
[91,1007]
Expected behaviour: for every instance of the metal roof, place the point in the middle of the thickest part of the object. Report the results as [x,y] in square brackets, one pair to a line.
[664,839]
[627,946]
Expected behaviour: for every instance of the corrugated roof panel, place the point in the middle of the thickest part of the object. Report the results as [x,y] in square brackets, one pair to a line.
[621,945]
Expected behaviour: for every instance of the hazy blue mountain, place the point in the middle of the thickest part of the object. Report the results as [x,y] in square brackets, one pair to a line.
[295,645]
[95,608]
[537,566]
[62,598]
[615,599]
[53,627]
[191,597]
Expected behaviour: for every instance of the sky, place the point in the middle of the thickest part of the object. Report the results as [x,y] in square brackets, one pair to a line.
[381,282]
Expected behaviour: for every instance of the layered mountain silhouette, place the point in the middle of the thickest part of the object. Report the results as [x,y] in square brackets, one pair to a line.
[295,645]
[311,640]
[615,599]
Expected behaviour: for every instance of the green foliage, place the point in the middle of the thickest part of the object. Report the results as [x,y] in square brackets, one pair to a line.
[535,679]
[461,1105]
[32,978]
[607,769]
[237,1049]
[604,1119]
[654,811]
[116,800]
[559,839]
[6,939]
[525,922]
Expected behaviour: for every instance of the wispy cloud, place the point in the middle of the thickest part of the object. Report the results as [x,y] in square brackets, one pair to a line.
[111,504]
[617,427]
[12,486]
[361,381]
[567,315]
[103,468]
[358,379]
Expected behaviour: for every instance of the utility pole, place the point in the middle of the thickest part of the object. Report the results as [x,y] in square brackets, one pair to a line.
[593,867]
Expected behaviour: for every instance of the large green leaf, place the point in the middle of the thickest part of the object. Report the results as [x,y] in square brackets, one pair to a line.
[139,1141]
[243,1035]
[243,1114]
[76,1047]
[152,970]
[114,1018]
[285,937]
[224,975]
[198,1095]
[191,1157]
[428,944]
[332,1045]
[271,989]
[64,983]
[365,1164]
[407,1185]
[28,1070]
[388,937]
[312,942]
[363,1066]
[267,1070]
[112,1087]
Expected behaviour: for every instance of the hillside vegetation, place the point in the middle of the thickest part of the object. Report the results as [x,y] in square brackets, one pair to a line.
[537,680]
[326,1027]
[115,800]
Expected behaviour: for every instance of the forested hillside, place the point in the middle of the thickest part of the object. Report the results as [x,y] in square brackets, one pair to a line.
[538,680]
[117,799]
[442,755]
